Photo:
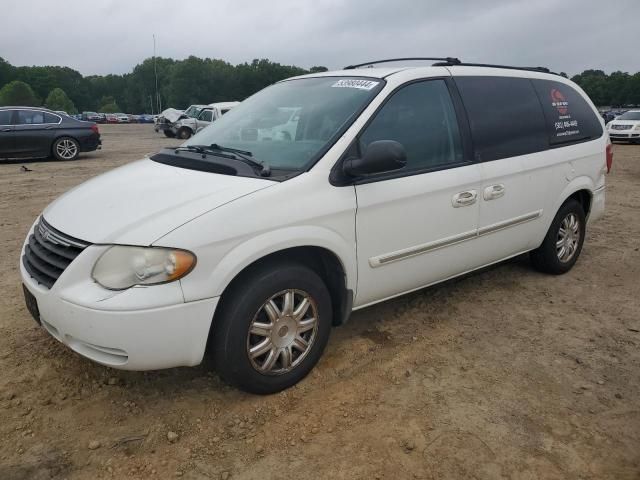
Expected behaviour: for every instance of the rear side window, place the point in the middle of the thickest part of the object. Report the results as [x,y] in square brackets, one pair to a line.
[30,117]
[569,118]
[505,116]
[422,118]
[5,117]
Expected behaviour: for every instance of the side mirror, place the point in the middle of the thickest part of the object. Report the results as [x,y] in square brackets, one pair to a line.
[380,156]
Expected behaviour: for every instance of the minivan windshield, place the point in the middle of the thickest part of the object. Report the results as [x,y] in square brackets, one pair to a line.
[290,124]
[629,116]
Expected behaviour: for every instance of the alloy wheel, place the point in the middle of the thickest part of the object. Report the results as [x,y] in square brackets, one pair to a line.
[568,237]
[67,149]
[282,332]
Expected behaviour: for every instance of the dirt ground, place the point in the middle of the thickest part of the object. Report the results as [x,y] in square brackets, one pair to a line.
[507,373]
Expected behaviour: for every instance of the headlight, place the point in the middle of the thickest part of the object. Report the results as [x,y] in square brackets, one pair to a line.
[638,127]
[121,267]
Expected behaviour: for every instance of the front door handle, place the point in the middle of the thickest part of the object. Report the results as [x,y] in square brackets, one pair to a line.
[493,191]
[464,199]
[6,129]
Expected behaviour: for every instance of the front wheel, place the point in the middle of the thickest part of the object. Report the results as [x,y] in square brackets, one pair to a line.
[563,243]
[66,148]
[168,133]
[272,328]
[184,133]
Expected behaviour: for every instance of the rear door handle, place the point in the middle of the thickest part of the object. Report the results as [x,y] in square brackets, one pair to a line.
[464,199]
[493,191]
[6,129]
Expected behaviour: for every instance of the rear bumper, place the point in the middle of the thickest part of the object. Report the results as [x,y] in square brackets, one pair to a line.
[91,143]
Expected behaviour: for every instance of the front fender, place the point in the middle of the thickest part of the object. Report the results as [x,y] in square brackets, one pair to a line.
[211,282]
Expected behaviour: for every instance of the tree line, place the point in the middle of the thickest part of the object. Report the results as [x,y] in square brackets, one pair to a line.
[196,80]
[180,84]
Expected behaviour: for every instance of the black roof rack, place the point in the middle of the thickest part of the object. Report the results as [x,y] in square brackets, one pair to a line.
[491,65]
[451,61]
[447,60]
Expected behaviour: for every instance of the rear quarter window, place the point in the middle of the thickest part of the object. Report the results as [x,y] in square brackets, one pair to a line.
[505,116]
[568,116]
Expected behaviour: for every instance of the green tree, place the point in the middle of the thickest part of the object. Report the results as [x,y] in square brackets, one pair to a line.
[109,108]
[7,72]
[58,100]
[18,93]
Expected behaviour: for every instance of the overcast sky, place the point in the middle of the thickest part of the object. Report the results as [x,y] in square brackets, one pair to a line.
[112,36]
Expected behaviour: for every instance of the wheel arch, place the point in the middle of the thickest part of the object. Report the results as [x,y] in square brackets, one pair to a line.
[321,260]
[580,189]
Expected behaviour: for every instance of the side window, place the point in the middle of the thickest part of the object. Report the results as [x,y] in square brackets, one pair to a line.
[206,115]
[569,118]
[30,117]
[5,117]
[51,118]
[505,116]
[422,118]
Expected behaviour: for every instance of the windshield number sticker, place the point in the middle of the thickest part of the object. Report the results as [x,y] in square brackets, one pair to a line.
[359,84]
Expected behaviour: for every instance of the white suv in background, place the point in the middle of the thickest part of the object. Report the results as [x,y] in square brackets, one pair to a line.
[625,127]
[248,248]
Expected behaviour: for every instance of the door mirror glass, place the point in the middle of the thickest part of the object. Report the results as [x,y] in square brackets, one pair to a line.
[379,156]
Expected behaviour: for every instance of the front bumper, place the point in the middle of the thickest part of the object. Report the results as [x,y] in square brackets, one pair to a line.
[141,328]
[628,135]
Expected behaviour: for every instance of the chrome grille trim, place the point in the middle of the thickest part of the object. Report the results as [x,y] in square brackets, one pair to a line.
[48,252]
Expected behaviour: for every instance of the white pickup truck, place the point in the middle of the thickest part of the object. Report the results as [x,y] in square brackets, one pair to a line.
[186,126]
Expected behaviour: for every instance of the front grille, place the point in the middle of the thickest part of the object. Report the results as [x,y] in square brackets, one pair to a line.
[621,127]
[49,252]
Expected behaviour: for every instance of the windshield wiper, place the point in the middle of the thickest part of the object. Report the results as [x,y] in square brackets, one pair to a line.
[215,149]
[265,170]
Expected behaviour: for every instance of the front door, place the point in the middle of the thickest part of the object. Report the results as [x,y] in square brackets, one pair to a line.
[7,142]
[418,225]
[204,119]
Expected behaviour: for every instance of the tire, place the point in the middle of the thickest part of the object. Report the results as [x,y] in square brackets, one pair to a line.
[559,252]
[65,148]
[246,307]
[168,133]
[184,133]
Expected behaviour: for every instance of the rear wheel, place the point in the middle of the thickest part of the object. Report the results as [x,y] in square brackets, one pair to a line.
[563,243]
[66,148]
[272,328]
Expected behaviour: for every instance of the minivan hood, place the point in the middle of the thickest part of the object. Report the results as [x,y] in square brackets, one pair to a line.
[140,202]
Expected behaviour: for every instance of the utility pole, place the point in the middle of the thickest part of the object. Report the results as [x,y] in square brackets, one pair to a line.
[155,72]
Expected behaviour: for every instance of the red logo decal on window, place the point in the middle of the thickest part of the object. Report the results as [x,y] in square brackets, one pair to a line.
[558,101]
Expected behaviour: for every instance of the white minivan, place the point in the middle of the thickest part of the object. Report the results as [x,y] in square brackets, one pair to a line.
[248,248]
